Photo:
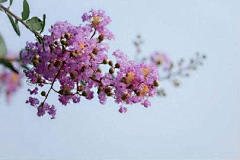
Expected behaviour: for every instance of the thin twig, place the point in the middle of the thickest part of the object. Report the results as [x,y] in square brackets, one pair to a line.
[21,20]
[52,84]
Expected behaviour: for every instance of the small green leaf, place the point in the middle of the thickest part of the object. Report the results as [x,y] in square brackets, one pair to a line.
[35,23]
[43,24]
[26,10]
[25,67]
[1,1]
[8,64]
[10,2]
[14,25]
[3,48]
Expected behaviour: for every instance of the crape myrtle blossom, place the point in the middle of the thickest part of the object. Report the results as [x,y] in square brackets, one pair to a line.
[73,55]
[161,60]
[10,82]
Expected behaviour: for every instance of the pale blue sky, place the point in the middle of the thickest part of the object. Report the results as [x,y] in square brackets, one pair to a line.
[199,120]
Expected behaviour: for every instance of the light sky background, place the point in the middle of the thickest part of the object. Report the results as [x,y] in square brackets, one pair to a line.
[199,120]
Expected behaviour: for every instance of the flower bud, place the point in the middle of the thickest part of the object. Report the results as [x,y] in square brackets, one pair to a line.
[95,51]
[99,70]
[67,92]
[73,76]
[156,83]
[111,70]
[117,65]
[39,80]
[57,63]
[43,93]
[61,92]
[110,63]
[63,42]
[107,90]
[84,93]
[67,36]
[80,88]
[124,97]
[56,43]
[105,61]
[109,94]
[101,38]
[99,90]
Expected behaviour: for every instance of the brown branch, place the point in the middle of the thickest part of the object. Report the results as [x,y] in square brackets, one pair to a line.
[52,85]
[20,20]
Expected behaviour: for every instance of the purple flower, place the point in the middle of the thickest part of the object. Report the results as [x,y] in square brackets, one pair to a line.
[34,91]
[33,101]
[161,59]
[122,109]
[146,103]
[10,81]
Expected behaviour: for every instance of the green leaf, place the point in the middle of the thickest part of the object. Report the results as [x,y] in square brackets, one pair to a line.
[25,67]
[43,24]
[14,25]
[3,48]
[35,23]
[10,2]
[26,10]
[8,64]
[1,1]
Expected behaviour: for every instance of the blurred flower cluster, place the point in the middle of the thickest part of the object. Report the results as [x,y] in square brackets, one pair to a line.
[10,81]
[168,69]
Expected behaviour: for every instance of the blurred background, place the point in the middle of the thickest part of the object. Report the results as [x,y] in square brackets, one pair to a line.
[199,120]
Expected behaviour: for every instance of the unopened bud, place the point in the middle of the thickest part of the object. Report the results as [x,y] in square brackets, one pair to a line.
[156,83]
[124,97]
[101,38]
[111,70]
[110,63]
[105,61]
[95,51]
[84,93]
[67,36]
[80,88]
[57,63]
[43,93]
[107,90]
[72,75]
[99,70]
[117,65]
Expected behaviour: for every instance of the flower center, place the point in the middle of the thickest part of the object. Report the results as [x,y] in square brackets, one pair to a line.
[160,60]
[81,45]
[14,78]
[130,76]
[145,71]
[96,20]
[144,90]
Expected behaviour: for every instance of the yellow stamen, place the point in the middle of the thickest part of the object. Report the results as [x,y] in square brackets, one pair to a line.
[96,20]
[144,90]
[14,78]
[81,45]
[130,76]
[160,60]
[145,71]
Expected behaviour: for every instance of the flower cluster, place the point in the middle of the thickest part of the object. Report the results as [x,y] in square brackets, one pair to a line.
[10,82]
[161,59]
[73,56]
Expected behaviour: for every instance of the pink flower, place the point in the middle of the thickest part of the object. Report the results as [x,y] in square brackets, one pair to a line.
[10,82]
[161,59]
